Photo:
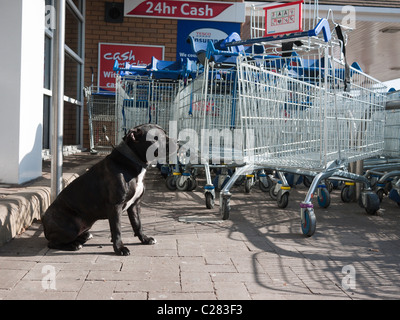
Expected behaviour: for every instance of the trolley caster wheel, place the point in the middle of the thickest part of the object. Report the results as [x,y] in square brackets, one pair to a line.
[210,202]
[248,183]
[324,198]
[273,193]
[170,182]
[283,200]
[192,184]
[225,208]
[265,184]
[182,183]
[310,222]
[347,193]
[370,202]
[380,194]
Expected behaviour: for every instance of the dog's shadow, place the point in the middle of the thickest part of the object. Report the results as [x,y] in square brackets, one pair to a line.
[32,243]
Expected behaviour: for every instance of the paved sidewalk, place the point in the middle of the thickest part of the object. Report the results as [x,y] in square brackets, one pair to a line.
[259,253]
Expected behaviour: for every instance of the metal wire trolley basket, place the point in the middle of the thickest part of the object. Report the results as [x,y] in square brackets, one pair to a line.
[101,109]
[384,171]
[144,100]
[304,110]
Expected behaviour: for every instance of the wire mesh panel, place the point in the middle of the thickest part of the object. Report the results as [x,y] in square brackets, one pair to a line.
[361,114]
[190,106]
[302,108]
[208,106]
[144,100]
[392,134]
[101,110]
[302,116]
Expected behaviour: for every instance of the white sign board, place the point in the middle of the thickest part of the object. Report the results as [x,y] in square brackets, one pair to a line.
[283,18]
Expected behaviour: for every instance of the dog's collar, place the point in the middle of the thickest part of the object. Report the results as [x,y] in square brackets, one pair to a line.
[127,152]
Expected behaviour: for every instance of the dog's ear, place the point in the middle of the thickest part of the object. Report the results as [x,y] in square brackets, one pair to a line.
[133,135]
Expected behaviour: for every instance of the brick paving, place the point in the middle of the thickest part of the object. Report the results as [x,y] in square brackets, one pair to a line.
[258,254]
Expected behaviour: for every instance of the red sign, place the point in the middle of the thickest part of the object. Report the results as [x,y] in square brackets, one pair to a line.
[192,10]
[139,55]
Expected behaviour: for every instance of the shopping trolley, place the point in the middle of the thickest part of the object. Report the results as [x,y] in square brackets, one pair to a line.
[308,113]
[146,94]
[143,100]
[101,110]
[207,114]
[384,171]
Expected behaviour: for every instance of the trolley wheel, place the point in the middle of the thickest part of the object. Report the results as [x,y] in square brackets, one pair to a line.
[380,194]
[272,193]
[182,183]
[347,193]
[310,222]
[324,198]
[192,184]
[209,200]
[225,208]
[283,200]
[265,187]
[372,203]
[171,183]
[248,184]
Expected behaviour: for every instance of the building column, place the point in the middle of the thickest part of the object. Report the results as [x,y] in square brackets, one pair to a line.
[21,89]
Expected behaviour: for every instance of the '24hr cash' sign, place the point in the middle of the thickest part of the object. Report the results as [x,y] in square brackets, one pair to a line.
[189,10]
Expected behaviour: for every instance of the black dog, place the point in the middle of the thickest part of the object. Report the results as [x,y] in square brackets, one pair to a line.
[113,185]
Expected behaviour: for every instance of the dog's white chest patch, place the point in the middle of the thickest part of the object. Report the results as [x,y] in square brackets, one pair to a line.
[139,189]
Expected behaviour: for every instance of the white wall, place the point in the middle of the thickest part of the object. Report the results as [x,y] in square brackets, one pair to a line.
[21,89]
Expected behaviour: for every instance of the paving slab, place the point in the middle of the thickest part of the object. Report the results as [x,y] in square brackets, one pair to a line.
[258,254]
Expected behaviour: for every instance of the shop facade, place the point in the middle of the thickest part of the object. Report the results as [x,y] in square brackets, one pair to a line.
[98,32]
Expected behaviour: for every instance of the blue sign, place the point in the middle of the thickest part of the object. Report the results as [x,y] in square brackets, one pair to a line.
[202,32]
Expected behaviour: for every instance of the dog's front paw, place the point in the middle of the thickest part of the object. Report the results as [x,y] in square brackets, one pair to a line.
[149,240]
[122,251]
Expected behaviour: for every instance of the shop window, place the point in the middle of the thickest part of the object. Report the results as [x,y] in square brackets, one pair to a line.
[47,62]
[72,118]
[72,76]
[46,121]
[72,31]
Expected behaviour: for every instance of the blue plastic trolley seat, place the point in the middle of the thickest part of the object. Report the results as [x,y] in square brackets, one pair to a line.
[159,69]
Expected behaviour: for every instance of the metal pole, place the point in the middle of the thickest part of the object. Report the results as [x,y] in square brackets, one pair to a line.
[58,100]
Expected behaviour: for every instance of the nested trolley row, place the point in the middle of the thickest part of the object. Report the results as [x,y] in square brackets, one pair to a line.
[297,107]
[302,111]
